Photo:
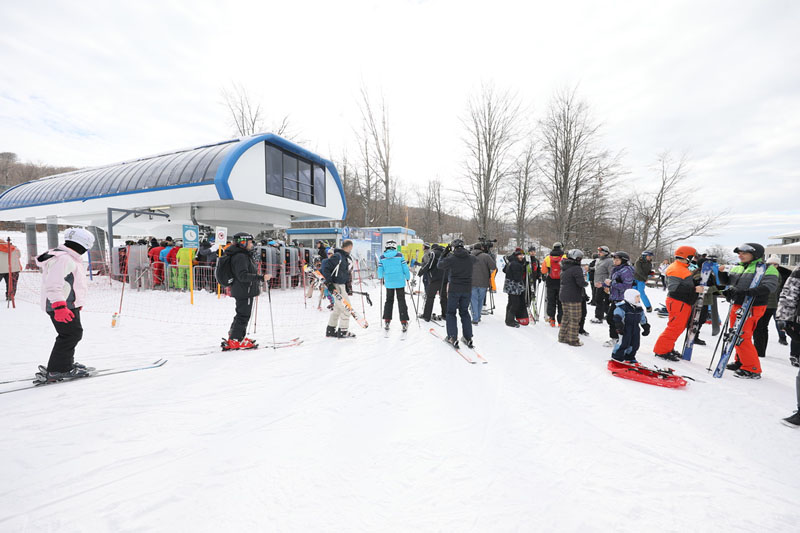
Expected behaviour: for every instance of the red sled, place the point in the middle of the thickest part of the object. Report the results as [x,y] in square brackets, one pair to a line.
[643,374]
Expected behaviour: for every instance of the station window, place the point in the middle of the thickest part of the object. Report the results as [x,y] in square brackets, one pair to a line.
[294,178]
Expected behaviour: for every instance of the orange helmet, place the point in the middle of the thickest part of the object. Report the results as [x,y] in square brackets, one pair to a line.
[685,252]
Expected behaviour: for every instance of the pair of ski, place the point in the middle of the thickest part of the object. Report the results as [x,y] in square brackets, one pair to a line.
[643,374]
[92,374]
[467,358]
[693,326]
[403,334]
[341,299]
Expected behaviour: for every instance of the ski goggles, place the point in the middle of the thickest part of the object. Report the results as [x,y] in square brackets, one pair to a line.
[744,248]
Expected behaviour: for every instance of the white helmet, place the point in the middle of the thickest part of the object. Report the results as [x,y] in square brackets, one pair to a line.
[80,236]
[632,297]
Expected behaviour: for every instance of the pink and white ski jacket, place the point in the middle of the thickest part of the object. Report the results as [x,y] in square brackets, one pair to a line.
[63,278]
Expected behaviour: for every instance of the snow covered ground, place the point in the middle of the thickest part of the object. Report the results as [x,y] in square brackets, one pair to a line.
[378,434]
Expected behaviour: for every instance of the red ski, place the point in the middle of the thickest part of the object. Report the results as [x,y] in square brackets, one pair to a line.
[643,374]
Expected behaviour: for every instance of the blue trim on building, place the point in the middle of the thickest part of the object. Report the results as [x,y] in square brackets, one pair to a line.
[87,198]
[394,229]
[312,231]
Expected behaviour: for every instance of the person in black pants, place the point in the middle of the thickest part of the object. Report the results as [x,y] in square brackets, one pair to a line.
[602,271]
[515,288]
[245,287]
[459,274]
[437,283]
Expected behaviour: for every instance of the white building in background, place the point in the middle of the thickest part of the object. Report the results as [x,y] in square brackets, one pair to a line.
[256,183]
[788,249]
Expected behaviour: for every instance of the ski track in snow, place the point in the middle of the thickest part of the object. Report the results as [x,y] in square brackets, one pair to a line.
[388,435]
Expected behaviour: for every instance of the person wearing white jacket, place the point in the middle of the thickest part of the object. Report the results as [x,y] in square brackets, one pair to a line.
[64,290]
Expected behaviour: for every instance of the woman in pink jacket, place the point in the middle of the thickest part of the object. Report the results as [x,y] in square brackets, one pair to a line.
[63,294]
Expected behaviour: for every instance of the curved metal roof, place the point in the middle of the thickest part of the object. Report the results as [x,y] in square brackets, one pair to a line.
[195,166]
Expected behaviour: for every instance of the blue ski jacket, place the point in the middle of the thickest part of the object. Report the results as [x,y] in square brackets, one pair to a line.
[393,269]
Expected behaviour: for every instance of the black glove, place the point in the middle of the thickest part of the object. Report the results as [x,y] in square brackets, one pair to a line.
[645,330]
[730,293]
[348,288]
[781,324]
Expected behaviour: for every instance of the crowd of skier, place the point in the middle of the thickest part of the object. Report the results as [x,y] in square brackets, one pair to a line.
[464,280]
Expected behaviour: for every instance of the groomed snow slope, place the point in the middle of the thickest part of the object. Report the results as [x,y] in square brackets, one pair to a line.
[377,434]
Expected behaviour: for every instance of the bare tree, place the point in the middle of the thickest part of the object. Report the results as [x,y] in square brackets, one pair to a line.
[375,127]
[668,215]
[366,180]
[431,220]
[573,168]
[247,116]
[492,131]
[521,188]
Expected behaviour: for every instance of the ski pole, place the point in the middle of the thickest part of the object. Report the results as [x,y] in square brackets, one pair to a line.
[413,302]
[722,334]
[361,286]
[271,320]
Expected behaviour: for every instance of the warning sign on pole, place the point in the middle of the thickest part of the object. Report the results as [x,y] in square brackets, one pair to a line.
[221,236]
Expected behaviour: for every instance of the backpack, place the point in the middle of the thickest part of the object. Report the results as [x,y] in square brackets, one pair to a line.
[224,272]
[555,267]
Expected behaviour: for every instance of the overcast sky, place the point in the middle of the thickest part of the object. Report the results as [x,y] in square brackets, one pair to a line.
[88,83]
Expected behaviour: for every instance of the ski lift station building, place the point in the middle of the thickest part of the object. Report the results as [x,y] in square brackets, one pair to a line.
[261,182]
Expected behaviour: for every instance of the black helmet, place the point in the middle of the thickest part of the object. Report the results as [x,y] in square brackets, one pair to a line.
[575,254]
[457,243]
[647,252]
[557,246]
[622,255]
[391,245]
[751,247]
[242,237]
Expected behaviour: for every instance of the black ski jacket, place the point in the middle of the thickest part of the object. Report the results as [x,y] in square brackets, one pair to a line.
[246,281]
[572,282]
[459,269]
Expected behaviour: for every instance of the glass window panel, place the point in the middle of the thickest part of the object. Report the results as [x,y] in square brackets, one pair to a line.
[139,179]
[128,176]
[171,172]
[304,175]
[289,177]
[200,170]
[89,180]
[211,164]
[274,171]
[319,185]
[155,177]
[219,157]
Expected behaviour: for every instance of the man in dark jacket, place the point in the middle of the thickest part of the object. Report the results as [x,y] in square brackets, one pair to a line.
[204,277]
[437,283]
[245,287]
[336,270]
[641,271]
[514,286]
[603,266]
[572,295]
[458,266]
[482,272]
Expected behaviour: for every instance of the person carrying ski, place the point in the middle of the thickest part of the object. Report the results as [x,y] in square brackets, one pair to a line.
[551,270]
[437,283]
[751,254]
[482,272]
[393,270]
[641,271]
[64,291]
[628,317]
[514,287]
[458,267]
[621,280]
[788,314]
[682,292]
[603,266]
[336,270]
[10,267]
[572,295]
[245,287]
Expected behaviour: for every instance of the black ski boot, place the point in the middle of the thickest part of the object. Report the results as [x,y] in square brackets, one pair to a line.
[452,341]
[736,365]
[330,331]
[671,356]
[386,324]
[794,360]
[52,377]
[404,325]
[467,341]
[746,374]
[700,342]
[344,334]
[792,421]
